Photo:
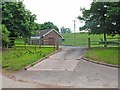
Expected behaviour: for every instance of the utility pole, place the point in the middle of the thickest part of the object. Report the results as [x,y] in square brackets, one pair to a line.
[74,29]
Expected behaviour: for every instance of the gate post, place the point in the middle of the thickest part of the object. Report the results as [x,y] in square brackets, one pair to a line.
[57,44]
[88,42]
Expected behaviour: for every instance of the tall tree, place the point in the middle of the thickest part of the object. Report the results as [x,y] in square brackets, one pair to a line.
[18,20]
[48,25]
[101,18]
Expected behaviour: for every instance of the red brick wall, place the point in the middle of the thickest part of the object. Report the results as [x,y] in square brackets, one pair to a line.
[55,36]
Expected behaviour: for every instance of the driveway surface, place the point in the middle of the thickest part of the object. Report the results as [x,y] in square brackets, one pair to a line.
[67,59]
[65,69]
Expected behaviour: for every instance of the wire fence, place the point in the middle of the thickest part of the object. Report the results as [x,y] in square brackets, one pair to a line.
[74,42]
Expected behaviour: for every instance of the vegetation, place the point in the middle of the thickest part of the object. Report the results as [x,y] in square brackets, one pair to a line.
[102,18]
[18,20]
[48,25]
[5,35]
[81,39]
[65,30]
[104,55]
[18,57]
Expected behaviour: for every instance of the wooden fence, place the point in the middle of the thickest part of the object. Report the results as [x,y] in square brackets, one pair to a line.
[110,43]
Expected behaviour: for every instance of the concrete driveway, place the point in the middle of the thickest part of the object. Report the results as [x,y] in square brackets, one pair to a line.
[63,69]
[66,59]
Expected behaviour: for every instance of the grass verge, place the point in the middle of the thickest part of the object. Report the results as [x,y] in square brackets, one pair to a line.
[19,57]
[106,55]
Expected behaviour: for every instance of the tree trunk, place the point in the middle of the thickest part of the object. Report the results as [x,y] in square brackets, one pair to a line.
[105,40]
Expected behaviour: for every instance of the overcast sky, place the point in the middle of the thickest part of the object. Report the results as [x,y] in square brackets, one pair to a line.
[60,12]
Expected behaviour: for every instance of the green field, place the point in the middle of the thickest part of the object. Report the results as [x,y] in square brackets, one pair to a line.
[106,55]
[18,57]
[81,39]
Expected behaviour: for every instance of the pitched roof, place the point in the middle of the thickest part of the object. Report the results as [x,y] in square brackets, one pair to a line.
[47,31]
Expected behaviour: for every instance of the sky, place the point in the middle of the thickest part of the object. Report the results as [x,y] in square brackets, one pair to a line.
[60,12]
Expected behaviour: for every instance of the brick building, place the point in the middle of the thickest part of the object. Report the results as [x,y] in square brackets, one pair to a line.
[47,37]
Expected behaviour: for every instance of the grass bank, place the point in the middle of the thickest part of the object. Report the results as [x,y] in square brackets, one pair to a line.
[105,55]
[18,57]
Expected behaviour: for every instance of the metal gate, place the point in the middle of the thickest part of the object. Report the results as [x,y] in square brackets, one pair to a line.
[74,42]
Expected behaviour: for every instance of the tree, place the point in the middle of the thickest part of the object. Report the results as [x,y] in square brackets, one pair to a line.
[101,18]
[4,33]
[18,20]
[113,17]
[65,30]
[48,25]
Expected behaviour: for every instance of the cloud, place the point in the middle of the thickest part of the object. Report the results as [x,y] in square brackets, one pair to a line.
[60,12]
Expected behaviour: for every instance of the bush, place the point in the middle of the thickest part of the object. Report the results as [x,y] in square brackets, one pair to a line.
[4,33]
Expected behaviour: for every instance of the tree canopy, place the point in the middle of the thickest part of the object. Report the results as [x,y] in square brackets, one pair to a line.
[18,20]
[102,17]
[48,25]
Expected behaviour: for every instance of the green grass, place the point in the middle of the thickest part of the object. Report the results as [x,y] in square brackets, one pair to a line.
[18,57]
[81,39]
[106,55]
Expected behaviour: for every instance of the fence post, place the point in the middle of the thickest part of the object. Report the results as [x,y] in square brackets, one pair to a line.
[57,47]
[88,42]
[57,44]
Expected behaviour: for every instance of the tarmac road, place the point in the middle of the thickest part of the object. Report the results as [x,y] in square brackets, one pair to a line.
[63,69]
[8,82]
[11,83]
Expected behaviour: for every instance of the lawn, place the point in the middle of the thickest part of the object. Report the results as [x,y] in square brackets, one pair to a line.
[81,39]
[106,55]
[18,57]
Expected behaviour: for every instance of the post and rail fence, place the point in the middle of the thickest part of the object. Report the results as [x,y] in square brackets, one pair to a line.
[101,43]
[15,41]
